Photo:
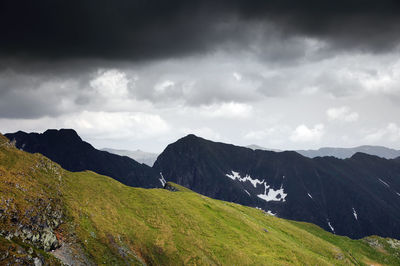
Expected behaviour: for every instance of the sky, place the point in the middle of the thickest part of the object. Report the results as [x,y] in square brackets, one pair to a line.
[140,74]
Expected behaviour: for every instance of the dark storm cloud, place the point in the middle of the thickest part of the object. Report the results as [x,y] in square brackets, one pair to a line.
[139,29]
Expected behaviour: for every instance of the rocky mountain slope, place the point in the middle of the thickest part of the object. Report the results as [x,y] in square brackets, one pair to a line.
[50,216]
[65,147]
[355,197]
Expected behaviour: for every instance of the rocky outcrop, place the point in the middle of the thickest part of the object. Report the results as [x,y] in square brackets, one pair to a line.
[35,217]
[16,254]
[36,225]
[170,187]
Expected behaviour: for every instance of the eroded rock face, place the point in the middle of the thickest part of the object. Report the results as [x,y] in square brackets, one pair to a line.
[16,254]
[373,242]
[49,240]
[35,225]
[30,214]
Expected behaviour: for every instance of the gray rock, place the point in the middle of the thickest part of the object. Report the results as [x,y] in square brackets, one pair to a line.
[373,242]
[49,240]
[37,262]
[394,243]
[27,233]
[35,238]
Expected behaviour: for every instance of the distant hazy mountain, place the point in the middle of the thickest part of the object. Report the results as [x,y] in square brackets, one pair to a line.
[256,147]
[138,155]
[343,153]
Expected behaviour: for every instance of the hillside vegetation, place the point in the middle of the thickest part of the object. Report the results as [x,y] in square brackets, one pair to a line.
[49,215]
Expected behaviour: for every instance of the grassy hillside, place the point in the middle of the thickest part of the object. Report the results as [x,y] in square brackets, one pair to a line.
[92,219]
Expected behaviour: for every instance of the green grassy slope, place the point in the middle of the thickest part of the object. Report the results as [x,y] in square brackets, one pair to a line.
[98,220]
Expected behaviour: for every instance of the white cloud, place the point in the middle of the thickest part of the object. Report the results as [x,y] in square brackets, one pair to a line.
[110,83]
[163,86]
[227,110]
[310,90]
[117,125]
[237,76]
[256,135]
[272,132]
[273,136]
[304,134]
[391,132]
[342,114]
[230,95]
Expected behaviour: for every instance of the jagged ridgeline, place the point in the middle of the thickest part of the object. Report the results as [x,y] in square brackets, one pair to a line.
[51,216]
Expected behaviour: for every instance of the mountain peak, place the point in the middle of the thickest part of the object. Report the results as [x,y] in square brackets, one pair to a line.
[363,155]
[191,136]
[63,132]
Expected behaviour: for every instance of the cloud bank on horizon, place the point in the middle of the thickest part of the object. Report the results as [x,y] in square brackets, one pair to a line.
[139,74]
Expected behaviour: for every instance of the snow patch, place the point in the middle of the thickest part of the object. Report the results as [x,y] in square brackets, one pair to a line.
[271,213]
[398,194]
[386,184]
[247,192]
[267,212]
[236,175]
[309,195]
[162,180]
[355,214]
[330,226]
[272,195]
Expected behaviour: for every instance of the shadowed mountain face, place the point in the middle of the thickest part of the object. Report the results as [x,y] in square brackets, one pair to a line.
[66,148]
[356,197]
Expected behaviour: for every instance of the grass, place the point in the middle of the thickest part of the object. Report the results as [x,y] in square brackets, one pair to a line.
[116,224]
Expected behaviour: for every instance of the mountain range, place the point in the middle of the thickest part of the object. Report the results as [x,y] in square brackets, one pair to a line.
[356,197]
[50,216]
[149,158]
[344,153]
[341,153]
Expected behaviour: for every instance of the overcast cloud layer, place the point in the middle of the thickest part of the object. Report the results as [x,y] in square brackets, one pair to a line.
[140,74]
